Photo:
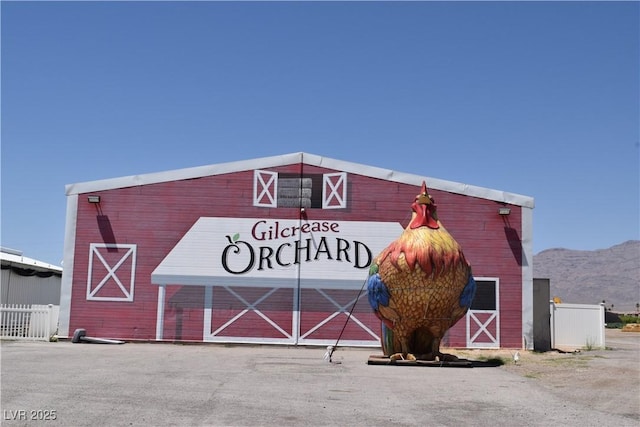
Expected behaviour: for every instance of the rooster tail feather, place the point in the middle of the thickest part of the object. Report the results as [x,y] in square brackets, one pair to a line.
[377,292]
[386,338]
[469,291]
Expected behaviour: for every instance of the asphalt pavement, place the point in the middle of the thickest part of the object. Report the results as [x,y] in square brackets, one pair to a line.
[145,384]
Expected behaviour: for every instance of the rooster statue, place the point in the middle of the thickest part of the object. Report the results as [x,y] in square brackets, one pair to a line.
[419,286]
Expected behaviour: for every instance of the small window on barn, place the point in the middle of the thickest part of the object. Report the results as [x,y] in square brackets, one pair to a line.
[292,190]
[485,298]
[295,192]
[112,268]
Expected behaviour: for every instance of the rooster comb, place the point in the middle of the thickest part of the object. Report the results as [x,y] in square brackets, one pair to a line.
[424,188]
[424,196]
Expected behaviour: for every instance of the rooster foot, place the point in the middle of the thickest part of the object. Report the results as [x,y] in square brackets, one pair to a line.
[437,356]
[444,357]
[400,356]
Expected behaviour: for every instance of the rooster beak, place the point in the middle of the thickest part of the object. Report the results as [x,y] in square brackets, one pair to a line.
[423,198]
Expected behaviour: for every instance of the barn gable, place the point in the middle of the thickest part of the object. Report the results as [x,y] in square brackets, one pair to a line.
[300,159]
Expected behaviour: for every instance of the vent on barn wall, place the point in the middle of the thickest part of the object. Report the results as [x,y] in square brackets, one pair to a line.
[290,190]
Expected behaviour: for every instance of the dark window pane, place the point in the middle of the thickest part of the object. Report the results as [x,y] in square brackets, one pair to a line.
[485,298]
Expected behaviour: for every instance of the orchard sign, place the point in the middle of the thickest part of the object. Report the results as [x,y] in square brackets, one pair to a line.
[274,244]
[275,252]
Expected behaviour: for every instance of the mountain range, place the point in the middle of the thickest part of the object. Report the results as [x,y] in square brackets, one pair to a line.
[590,277]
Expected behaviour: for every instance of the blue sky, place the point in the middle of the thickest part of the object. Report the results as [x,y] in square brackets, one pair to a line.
[534,98]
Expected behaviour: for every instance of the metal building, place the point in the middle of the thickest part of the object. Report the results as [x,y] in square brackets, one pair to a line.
[28,281]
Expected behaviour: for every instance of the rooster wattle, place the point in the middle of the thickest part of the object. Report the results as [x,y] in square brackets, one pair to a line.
[419,286]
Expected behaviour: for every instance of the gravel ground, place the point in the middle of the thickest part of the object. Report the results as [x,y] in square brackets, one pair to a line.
[607,380]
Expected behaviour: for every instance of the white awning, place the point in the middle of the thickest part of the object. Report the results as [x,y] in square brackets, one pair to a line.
[257,252]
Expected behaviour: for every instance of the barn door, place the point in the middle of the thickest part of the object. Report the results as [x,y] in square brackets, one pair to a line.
[483,318]
[250,314]
[327,315]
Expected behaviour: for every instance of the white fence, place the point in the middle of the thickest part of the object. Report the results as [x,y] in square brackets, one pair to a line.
[577,325]
[28,322]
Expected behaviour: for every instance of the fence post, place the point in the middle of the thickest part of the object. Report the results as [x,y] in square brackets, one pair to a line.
[47,323]
[602,327]
[552,312]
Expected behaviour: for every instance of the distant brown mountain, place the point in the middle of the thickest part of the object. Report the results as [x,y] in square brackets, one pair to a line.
[589,277]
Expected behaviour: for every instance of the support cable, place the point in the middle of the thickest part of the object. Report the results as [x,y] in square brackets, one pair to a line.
[329,354]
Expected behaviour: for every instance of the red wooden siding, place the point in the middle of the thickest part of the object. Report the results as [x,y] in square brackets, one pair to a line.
[156,216]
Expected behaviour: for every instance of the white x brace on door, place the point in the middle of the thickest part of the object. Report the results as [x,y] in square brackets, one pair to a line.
[112,268]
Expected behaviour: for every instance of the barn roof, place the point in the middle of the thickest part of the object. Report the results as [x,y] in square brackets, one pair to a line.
[12,257]
[307,159]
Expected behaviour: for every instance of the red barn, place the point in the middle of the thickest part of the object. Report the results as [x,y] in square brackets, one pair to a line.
[276,250]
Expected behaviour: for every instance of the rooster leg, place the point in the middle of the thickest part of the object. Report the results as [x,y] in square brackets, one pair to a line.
[442,357]
[406,348]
